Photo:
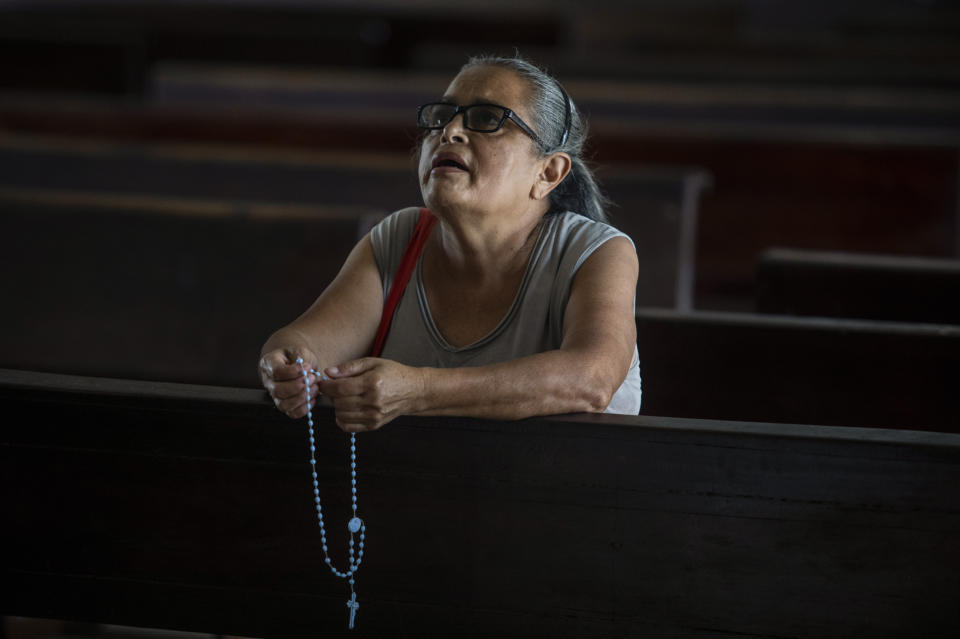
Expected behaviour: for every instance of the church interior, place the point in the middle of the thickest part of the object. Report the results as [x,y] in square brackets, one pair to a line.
[178,179]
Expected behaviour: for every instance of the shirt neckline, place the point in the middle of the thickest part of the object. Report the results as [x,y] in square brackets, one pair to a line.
[508,317]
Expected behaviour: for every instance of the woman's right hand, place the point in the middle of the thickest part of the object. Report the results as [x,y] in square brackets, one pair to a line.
[282,376]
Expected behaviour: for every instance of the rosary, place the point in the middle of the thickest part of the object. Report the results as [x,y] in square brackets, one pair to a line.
[356,524]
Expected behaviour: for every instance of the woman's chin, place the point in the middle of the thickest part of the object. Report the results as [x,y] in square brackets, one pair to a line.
[439,197]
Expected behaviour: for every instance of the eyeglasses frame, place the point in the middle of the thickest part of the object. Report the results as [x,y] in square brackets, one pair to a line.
[507,114]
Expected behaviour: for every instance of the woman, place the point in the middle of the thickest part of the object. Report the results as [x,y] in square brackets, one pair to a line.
[521,302]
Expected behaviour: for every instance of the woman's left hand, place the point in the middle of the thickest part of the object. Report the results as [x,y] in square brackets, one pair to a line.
[369,392]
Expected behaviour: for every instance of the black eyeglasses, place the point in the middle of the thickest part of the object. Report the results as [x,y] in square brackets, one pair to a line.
[482,118]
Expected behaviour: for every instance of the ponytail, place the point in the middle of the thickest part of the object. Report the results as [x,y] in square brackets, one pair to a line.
[580,193]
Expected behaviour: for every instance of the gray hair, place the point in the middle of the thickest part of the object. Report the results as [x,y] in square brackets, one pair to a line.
[579,191]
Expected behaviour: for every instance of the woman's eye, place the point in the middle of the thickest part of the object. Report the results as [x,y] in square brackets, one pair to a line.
[485,118]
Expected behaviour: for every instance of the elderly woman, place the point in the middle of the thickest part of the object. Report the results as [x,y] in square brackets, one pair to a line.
[520,298]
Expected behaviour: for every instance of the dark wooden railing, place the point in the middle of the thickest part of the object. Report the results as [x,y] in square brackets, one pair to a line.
[190,507]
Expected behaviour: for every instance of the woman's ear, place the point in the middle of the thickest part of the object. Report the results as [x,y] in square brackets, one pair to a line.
[553,169]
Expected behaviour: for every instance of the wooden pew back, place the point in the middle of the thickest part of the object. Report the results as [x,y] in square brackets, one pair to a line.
[816,371]
[150,288]
[190,508]
[656,206]
[880,287]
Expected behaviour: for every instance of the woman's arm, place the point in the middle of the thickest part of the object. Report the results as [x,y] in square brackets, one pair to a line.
[599,335]
[340,325]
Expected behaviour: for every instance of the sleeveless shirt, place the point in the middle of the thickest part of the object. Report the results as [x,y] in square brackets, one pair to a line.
[533,324]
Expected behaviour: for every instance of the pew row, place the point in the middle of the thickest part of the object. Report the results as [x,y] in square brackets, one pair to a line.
[189,507]
[656,206]
[161,288]
[741,366]
[882,287]
[777,182]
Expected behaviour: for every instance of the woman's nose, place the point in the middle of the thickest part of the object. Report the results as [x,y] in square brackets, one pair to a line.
[454,131]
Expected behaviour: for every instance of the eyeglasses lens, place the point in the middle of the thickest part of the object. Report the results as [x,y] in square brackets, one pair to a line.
[484,118]
[478,117]
[436,116]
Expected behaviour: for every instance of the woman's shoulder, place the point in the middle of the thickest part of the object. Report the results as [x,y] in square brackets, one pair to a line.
[400,222]
[580,234]
[396,228]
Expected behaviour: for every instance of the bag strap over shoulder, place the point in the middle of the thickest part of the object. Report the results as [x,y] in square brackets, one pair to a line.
[404,271]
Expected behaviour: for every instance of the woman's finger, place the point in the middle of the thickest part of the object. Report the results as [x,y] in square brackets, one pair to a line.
[288,405]
[285,390]
[345,387]
[295,411]
[287,372]
[353,423]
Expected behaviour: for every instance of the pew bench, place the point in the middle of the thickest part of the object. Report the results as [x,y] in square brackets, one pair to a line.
[742,366]
[161,288]
[656,206]
[854,285]
[839,161]
[189,507]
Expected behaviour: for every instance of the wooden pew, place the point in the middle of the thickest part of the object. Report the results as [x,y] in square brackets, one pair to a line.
[186,507]
[384,181]
[881,287]
[160,288]
[740,366]
[783,175]
[656,206]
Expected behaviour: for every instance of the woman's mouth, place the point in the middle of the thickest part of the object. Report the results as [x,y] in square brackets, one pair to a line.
[448,163]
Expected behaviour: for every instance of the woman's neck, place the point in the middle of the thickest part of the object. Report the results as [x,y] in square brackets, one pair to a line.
[481,248]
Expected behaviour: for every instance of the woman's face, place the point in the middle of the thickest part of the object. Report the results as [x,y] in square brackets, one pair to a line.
[501,167]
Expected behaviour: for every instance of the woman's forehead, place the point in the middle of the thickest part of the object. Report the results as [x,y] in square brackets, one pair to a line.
[495,85]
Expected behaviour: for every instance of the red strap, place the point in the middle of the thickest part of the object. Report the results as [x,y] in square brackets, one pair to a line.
[407,264]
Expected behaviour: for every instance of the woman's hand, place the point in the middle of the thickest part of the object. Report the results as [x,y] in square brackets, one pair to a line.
[282,376]
[367,393]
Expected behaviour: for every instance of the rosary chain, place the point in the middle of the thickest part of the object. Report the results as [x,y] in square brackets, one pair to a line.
[356,524]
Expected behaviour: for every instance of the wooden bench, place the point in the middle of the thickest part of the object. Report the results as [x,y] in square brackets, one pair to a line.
[656,206]
[742,366]
[881,287]
[776,182]
[384,181]
[160,288]
[186,507]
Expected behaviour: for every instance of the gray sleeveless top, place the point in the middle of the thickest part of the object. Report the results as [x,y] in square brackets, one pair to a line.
[533,324]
